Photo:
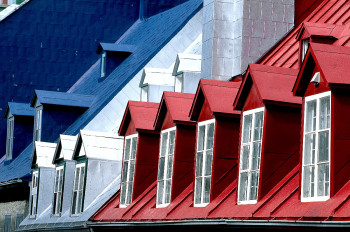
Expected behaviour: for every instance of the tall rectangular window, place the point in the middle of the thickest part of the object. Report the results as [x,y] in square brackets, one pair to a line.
[78,189]
[316,148]
[128,170]
[34,193]
[249,165]
[103,64]
[165,167]
[204,159]
[37,123]
[9,140]
[58,189]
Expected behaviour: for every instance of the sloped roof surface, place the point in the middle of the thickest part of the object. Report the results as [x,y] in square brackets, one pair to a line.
[22,109]
[43,154]
[149,36]
[66,144]
[98,145]
[62,98]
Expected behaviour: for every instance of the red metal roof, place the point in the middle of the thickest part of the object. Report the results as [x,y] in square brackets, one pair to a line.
[219,94]
[143,115]
[177,104]
[274,85]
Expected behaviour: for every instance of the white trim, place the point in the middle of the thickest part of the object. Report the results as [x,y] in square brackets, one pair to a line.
[79,189]
[128,179]
[252,112]
[204,159]
[316,98]
[165,168]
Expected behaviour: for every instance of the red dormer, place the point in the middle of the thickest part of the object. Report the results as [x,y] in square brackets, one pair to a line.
[141,147]
[217,138]
[177,146]
[270,128]
[324,83]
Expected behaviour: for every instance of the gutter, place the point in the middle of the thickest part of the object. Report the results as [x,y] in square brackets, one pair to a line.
[227,223]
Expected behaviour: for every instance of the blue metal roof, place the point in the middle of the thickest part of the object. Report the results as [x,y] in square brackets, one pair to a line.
[148,36]
[62,99]
[21,109]
[114,47]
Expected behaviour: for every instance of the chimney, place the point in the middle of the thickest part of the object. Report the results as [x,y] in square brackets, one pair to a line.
[238,32]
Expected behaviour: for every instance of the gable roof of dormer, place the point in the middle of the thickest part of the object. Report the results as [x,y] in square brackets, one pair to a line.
[143,115]
[98,145]
[43,154]
[220,96]
[178,105]
[187,63]
[333,63]
[116,48]
[310,29]
[20,109]
[65,147]
[62,98]
[156,76]
[274,85]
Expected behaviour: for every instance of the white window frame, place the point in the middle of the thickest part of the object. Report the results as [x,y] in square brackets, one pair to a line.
[317,130]
[9,139]
[58,191]
[203,163]
[166,177]
[305,44]
[128,180]
[250,158]
[34,194]
[78,190]
[38,122]
[103,63]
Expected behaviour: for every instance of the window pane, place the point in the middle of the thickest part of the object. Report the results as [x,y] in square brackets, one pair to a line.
[254,186]
[198,192]
[131,171]
[80,201]
[200,145]
[210,136]
[323,143]
[308,182]
[245,157]
[171,142]
[76,181]
[127,149]
[61,181]
[310,145]
[168,191]
[133,150]
[59,200]
[170,167]
[122,194]
[161,168]
[82,176]
[199,163]
[323,180]
[206,197]
[74,202]
[324,113]
[247,127]
[208,162]
[54,203]
[164,144]
[160,191]
[310,124]
[56,181]
[258,125]
[243,186]
[129,193]
[125,171]
[256,156]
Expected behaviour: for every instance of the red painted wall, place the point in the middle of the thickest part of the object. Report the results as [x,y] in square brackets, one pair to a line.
[226,146]
[146,165]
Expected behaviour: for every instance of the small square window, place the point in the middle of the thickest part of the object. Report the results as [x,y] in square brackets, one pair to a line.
[249,165]
[128,170]
[204,159]
[78,189]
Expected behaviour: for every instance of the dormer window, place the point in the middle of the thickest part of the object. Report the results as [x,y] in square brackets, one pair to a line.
[58,188]
[78,189]
[204,158]
[37,122]
[34,194]
[103,64]
[316,148]
[9,140]
[249,169]
[165,167]
[128,170]
[304,47]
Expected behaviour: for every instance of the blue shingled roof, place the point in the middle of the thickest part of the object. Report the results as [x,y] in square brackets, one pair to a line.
[62,98]
[114,47]
[21,109]
[148,37]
